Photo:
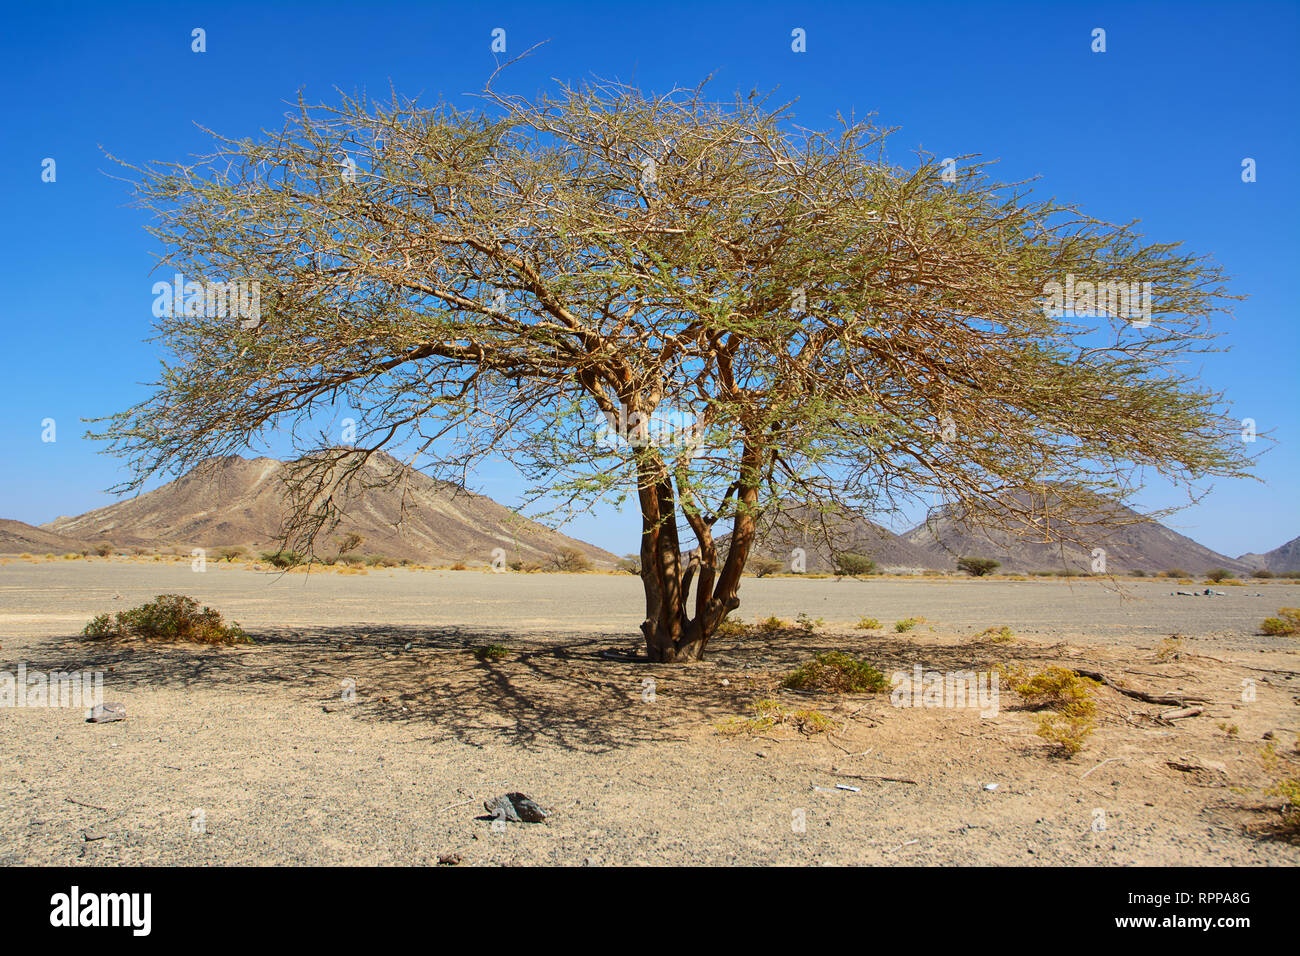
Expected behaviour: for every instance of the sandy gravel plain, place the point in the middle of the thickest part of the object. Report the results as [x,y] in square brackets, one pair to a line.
[251,754]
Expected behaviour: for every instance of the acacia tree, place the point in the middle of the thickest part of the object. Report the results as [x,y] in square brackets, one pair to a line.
[551,280]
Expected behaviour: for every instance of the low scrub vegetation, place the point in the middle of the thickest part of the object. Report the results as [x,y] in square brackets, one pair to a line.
[1285,624]
[978,567]
[168,617]
[1069,710]
[997,635]
[570,560]
[1286,784]
[732,627]
[769,714]
[839,673]
[854,565]
[906,624]
[491,653]
[868,624]
[1170,649]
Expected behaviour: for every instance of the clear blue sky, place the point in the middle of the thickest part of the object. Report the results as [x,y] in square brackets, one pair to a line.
[1155,128]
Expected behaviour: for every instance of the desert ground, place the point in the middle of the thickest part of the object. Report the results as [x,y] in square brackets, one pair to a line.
[252,754]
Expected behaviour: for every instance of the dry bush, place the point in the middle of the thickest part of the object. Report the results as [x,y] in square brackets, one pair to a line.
[168,617]
[839,673]
[769,714]
[1066,699]
[571,561]
[1285,624]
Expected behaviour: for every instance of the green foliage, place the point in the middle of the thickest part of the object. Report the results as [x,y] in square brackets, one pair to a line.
[1262,573]
[1286,784]
[604,268]
[168,617]
[1066,697]
[1285,624]
[868,624]
[769,714]
[839,673]
[282,559]
[807,624]
[732,627]
[491,653]
[978,567]
[906,624]
[853,565]
[1218,574]
[631,564]
[997,635]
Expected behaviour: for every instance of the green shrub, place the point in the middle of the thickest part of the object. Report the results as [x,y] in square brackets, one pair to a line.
[168,617]
[770,713]
[998,635]
[1285,624]
[1067,698]
[839,673]
[867,624]
[978,567]
[492,653]
[1218,574]
[906,624]
[807,624]
[1262,573]
[731,627]
[774,624]
[852,565]
[282,559]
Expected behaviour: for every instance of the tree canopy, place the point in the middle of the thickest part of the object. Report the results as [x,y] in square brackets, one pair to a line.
[690,302]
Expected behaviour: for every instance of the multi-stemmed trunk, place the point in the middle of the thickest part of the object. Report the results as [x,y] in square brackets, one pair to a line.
[676,627]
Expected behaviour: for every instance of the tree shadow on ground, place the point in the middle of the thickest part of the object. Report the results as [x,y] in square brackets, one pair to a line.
[589,693]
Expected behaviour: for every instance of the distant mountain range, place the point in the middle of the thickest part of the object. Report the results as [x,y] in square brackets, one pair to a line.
[238,501]
[1281,559]
[1130,542]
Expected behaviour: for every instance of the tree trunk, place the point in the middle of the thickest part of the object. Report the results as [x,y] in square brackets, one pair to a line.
[672,633]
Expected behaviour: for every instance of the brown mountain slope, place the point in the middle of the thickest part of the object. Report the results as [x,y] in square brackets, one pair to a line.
[1130,543]
[235,501]
[822,536]
[1280,560]
[18,537]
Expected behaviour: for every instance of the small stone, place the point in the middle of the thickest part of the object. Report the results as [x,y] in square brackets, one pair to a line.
[449,859]
[106,713]
[515,808]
